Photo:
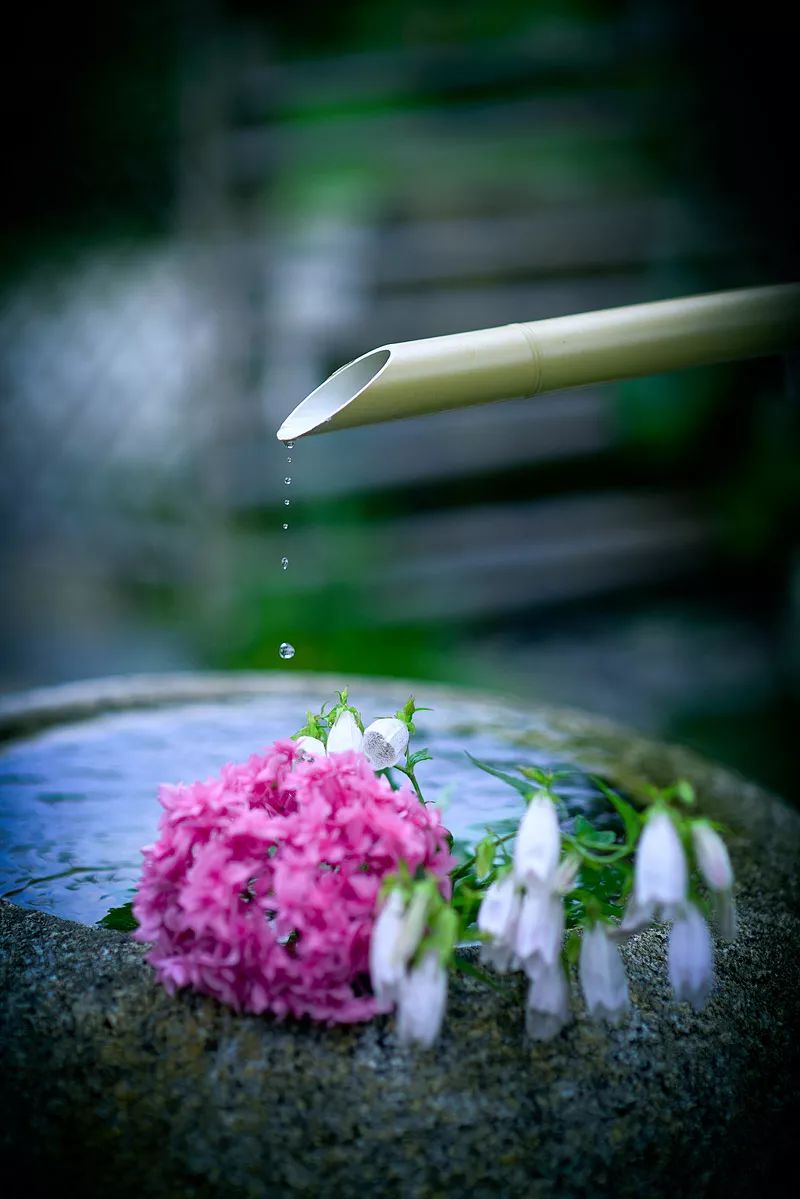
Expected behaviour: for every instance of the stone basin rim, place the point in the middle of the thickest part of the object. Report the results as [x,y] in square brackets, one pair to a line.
[31,711]
[111,1046]
[38,708]
[27,713]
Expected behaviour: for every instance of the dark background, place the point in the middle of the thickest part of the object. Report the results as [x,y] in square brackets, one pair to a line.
[207,207]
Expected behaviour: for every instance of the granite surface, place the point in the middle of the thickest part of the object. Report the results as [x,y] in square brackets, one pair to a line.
[111,1088]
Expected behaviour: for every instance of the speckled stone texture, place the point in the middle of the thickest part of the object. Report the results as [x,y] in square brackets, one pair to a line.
[111,1088]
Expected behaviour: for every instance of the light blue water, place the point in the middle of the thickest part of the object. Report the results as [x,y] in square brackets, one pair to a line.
[78,802]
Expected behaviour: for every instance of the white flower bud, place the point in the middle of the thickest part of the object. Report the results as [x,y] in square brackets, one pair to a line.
[635,919]
[345,734]
[661,876]
[311,747]
[538,844]
[547,1010]
[566,875]
[386,966]
[499,955]
[713,861]
[727,920]
[690,957]
[385,742]
[540,928]
[421,1001]
[602,975]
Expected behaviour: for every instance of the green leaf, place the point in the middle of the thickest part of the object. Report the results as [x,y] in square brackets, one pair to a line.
[524,788]
[500,828]
[630,817]
[465,966]
[419,755]
[572,947]
[120,918]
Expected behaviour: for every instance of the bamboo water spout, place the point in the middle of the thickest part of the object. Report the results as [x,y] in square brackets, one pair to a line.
[415,377]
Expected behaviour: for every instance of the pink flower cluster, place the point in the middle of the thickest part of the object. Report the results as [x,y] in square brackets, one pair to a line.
[261,888]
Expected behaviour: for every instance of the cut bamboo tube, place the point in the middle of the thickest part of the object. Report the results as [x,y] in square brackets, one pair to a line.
[415,377]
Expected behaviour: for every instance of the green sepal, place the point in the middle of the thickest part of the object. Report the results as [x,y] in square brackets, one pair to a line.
[484,856]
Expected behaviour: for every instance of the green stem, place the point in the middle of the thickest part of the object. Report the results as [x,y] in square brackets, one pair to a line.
[410,775]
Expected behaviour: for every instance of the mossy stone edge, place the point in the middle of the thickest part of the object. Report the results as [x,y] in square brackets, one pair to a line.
[111,1086]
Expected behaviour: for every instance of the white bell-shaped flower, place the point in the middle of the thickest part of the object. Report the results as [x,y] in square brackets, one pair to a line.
[547,1009]
[690,957]
[385,742]
[661,875]
[386,964]
[499,955]
[311,747]
[345,734]
[602,975]
[566,875]
[421,1001]
[497,916]
[727,919]
[713,860]
[540,929]
[714,864]
[499,909]
[538,845]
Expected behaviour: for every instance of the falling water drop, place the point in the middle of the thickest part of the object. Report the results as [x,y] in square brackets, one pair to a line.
[286,503]
[290,445]
[285,526]
[284,563]
[289,458]
[286,650]
[288,480]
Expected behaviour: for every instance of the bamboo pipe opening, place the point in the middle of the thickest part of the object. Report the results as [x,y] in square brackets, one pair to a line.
[434,374]
[339,390]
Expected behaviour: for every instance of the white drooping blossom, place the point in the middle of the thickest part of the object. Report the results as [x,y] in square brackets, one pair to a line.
[602,975]
[547,1009]
[540,928]
[497,917]
[714,865]
[421,1001]
[344,735]
[386,965]
[690,957]
[522,912]
[661,874]
[538,844]
[385,742]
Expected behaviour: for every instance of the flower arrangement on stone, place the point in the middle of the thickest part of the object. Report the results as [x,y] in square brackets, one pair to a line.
[309,882]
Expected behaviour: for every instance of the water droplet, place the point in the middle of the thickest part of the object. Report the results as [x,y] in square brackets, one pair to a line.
[284,563]
[286,650]
[285,525]
[290,445]
[286,503]
[289,458]
[288,480]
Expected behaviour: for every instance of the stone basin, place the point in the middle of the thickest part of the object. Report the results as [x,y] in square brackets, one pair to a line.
[111,1087]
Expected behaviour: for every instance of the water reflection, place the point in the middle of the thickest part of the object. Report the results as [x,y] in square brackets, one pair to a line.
[77,803]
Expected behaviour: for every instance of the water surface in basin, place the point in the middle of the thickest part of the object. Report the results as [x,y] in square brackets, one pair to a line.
[77,802]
